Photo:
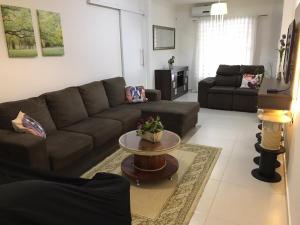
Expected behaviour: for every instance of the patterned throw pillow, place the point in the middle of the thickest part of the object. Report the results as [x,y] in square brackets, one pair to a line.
[25,124]
[251,81]
[136,94]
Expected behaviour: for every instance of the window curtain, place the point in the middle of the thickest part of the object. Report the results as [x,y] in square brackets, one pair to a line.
[231,41]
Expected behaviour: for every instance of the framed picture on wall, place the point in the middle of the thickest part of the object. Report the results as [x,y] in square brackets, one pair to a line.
[19,31]
[50,33]
[163,38]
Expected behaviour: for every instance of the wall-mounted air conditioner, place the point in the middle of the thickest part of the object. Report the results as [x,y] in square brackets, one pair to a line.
[200,11]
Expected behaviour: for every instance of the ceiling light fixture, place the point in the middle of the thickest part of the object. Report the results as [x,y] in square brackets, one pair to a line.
[218,10]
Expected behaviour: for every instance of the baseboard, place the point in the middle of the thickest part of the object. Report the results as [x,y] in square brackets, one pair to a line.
[287,191]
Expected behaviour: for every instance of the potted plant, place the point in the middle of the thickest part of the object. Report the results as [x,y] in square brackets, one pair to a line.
[151,129]
[281,51]
[171,62]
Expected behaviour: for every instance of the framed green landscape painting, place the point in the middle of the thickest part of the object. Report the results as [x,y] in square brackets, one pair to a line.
[51,33]
[19,31]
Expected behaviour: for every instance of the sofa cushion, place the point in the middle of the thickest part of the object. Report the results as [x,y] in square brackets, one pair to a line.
[94,97]
[178,117]
[246,91]
[128,117]
[253,69]
[34,107]
[221,90]
[66,107]
[230,81]
[66,147]
[115,90]
[102,130]
[227,70]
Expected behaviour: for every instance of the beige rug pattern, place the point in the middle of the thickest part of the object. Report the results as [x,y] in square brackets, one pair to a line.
[167,202]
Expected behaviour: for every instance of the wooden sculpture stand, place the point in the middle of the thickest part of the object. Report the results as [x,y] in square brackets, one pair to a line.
[269,145]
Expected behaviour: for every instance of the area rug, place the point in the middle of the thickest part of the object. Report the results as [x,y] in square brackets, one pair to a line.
[168,202]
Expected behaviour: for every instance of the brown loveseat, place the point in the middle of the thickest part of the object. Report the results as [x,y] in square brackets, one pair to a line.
[223,91]
[84,122]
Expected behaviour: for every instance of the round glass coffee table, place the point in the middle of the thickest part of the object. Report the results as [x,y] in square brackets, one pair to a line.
[149,161]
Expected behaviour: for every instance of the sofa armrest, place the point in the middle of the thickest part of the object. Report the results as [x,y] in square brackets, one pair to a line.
[153,95]
[25,149]
[208,82]
[203,87]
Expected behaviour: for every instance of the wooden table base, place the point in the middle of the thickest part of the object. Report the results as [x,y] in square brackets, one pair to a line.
[149,168]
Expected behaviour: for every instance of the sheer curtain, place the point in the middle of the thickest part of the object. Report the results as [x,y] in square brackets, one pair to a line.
[229,42]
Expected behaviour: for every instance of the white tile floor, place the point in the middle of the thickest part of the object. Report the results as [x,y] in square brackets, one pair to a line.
[232,196]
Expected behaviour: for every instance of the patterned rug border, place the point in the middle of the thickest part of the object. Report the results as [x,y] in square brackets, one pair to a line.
[190,210]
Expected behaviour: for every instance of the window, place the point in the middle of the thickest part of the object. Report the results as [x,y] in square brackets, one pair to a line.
[223,42]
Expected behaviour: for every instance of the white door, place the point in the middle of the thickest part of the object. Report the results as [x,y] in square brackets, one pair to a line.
[133,38]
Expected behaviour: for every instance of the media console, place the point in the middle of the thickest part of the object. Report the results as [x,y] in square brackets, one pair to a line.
[172,83]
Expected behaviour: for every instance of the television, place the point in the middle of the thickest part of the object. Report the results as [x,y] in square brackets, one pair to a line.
[288,67]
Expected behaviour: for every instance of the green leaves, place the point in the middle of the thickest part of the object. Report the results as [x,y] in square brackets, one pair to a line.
[18,31]
[151,125]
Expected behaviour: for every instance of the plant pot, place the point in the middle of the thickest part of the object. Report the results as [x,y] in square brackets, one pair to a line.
[152,137]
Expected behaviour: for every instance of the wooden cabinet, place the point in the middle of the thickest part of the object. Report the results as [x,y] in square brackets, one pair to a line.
[278,101]
[172,83]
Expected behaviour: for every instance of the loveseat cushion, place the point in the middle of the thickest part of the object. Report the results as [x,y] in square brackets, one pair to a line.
[221,90]
[94,97]
[246,91]
[102,130]
[66,147]
[128,117]
[252,69]
[34,107]
[231,81]
[66,107]
[115,90]
[227,70]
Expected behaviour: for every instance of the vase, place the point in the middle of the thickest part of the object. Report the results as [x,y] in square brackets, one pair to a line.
[152,137]
[171,66]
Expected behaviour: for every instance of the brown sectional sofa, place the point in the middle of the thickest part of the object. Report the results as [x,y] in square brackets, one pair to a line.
[84,123]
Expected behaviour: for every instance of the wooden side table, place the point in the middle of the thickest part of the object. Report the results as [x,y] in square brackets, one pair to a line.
[149,161]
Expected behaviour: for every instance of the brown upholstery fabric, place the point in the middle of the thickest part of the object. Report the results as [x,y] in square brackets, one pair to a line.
[230,81]
[128,117]
[64,148]
[178,117]
[94,97]
[115,90]
[153,95]
[66,107]
[227,70]
[221,90]
[26,149]
[220,101]
[246,91]
[203,88]
[252,69]
[102,130]
[245,103]
[34,107]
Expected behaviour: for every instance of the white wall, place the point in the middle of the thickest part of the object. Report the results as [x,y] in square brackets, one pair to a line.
[161,13]
[92,50]
[293,131]
[267,38]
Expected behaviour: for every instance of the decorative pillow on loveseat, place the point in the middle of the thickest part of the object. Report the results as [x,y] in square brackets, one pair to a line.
[25,124]
[136,94]
[251,81]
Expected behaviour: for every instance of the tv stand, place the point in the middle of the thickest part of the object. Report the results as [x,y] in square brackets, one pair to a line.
[172,83]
